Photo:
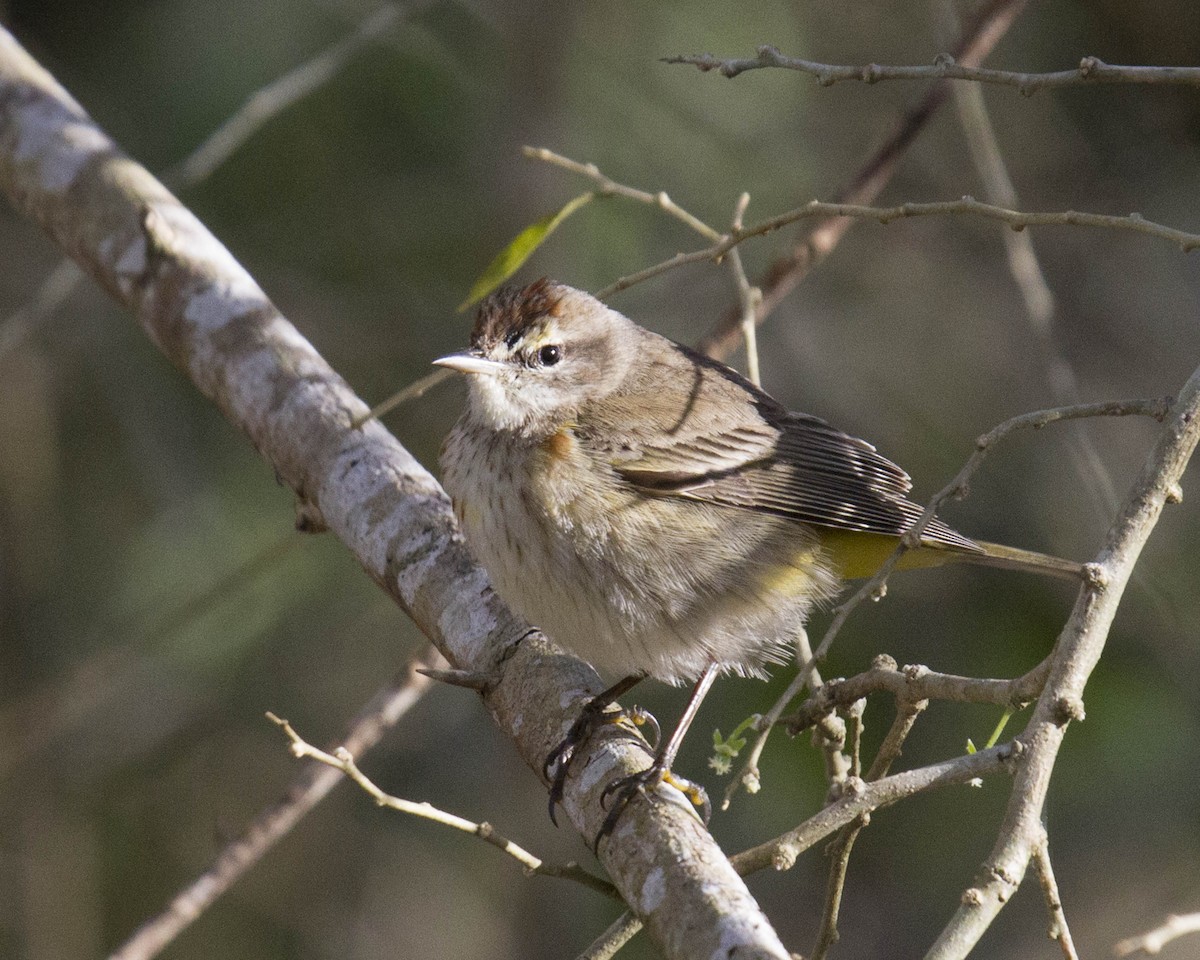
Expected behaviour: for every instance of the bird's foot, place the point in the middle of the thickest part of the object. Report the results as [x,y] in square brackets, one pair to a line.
[623,790]
[596,714]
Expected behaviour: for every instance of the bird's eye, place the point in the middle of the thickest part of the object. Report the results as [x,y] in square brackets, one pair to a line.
[549,355]
[512,340]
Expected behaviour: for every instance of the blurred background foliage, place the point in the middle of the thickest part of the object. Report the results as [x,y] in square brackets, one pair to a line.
[132,741]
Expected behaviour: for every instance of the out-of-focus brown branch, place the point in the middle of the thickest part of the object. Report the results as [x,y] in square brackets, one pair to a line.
[979,36]
[1152,941]
[262,106]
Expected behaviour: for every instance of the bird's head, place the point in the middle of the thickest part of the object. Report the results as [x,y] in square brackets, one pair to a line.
[538,353]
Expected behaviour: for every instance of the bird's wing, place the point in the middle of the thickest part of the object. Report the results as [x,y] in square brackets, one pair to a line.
[720,440]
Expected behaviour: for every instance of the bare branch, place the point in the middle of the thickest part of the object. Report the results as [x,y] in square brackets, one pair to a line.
[270,101]
[342,759]
[1076,653]
[748,296]
[966,206]
[619,933]
[1090,70]
[606,186]
[858,799]
[1152,941]
[781,853]
[979,36]
[1059,930]
[907,711]
[413,391]
[382,713]
[829,730]
[839,852]
[914,684]
[877,585]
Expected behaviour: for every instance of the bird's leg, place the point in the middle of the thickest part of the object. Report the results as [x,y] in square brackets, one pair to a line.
[595,713]
[626,788]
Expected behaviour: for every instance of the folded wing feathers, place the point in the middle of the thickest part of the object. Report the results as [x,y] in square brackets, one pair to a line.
[807,470]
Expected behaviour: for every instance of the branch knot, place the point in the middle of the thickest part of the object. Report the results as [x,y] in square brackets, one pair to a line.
[1068,708]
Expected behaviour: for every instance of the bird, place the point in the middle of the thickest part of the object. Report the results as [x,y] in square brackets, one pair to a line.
[657,514]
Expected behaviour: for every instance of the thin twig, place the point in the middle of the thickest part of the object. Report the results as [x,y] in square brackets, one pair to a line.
[966,206]
[413,391]
[944,67]
[619,933]
[1035,291]
[1076,653]
[907,711]
[915,684]
[1058,930]
[1152,941]
[839,852]
[877,585]
[782,852]
[380,714]
[748,297]
[979,36]
[854,720]
[343,759]
[606,186]
[58,285]
[269,101]
[829,733]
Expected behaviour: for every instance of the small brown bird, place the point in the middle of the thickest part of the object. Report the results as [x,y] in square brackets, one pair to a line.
[652,510]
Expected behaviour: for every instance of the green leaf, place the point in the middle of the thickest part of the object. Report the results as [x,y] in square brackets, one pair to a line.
[726,749]
[509,260]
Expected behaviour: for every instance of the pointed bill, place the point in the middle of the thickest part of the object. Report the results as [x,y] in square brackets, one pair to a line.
[468,363]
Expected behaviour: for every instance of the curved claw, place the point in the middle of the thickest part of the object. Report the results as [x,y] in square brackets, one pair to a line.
[595,714]
[641,717]
[624,789]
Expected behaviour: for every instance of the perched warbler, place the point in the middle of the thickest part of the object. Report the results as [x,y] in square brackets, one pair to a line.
[653,511]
